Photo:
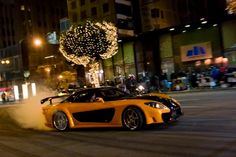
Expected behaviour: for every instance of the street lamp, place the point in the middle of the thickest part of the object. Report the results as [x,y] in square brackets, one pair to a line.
[37,42]
[26,75]
[5,61]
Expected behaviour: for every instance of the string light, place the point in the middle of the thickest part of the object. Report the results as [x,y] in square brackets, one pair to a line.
[111,35]
[92,41]
[231,6]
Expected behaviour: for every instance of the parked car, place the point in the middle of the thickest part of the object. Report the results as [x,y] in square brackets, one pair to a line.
[230,76]
[103,107]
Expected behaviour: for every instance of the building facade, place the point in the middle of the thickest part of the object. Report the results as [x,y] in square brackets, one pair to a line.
[159,14]
[22,21]
[201,24]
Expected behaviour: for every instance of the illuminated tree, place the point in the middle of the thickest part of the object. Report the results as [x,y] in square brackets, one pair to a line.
[231,6]
[88,43]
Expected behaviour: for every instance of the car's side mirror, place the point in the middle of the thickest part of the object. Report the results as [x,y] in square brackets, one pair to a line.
[99,99]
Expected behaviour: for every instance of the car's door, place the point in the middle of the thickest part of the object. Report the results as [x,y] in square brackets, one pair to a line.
[85,108]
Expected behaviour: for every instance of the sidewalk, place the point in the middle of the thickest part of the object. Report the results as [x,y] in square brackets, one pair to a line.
[206,89]
[10,103]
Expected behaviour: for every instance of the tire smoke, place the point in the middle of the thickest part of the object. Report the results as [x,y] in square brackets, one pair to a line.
[28,113]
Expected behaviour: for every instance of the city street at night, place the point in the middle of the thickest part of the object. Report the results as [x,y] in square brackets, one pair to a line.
[78,78]
[207,129]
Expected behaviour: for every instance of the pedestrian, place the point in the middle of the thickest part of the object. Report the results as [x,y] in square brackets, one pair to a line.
[193,80]
[3,97]
[164,82]
[215,74]
[155,83]
[131,83]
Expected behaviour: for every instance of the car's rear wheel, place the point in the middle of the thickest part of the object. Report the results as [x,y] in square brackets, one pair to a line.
[60,121]
[133,119]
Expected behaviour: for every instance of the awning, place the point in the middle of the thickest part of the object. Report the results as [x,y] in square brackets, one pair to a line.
[5,89]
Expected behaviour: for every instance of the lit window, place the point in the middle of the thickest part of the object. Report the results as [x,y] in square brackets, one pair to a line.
[22,7]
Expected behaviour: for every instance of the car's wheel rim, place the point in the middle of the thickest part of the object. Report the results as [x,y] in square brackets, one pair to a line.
[60,121]
[132,119]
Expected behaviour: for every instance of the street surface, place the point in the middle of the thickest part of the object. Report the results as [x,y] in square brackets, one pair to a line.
[207,129]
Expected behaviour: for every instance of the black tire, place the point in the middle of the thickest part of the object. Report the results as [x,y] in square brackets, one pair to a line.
[60,121]
[133,119]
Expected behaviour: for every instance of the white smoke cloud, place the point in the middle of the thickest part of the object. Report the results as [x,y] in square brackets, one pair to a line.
[28,113]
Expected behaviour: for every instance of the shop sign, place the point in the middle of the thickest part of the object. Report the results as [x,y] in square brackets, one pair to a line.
[196,51]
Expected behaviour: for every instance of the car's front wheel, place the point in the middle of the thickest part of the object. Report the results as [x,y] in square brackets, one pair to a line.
[133,119]
[60,121]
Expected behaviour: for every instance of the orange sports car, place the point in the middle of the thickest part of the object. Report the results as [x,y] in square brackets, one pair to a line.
[103,107]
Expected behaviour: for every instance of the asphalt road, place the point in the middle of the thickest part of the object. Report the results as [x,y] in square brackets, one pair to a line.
[207,129]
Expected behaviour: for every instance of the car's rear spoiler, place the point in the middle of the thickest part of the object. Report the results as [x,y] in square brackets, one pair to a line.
[51,98]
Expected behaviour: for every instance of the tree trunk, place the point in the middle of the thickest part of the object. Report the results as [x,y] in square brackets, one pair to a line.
[94,69]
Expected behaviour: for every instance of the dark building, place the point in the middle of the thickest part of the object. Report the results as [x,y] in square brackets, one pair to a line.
[192,10]
[22,18]
[22,21]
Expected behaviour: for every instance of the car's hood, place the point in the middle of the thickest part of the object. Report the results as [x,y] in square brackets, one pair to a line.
[162,95]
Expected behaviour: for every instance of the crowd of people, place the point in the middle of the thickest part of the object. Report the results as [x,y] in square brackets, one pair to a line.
[176,81]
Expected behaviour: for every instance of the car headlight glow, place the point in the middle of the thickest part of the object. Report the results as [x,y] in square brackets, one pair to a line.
[156,105]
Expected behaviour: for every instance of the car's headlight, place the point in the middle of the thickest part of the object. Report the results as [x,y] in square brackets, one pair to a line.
[156,105]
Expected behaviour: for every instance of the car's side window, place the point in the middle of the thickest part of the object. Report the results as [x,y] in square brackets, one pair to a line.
[84,96]
[109,95]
